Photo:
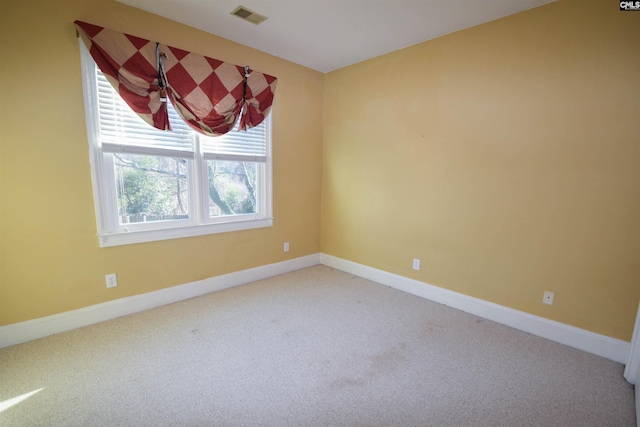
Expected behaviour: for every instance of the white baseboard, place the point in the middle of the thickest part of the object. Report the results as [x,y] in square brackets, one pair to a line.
[39,328]
[591,342]
[632,370]
[601,345]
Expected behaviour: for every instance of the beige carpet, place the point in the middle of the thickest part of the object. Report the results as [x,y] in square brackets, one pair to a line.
[316,347]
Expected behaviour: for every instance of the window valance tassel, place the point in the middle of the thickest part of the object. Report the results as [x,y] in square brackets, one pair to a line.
[244,91]
[161,77]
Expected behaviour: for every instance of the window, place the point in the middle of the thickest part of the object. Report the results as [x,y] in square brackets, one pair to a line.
[152,185]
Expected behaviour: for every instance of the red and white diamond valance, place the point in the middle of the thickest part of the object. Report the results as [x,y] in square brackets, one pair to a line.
[207,93]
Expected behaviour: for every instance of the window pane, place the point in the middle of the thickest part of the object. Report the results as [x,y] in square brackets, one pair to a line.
[151,188]
[232,187]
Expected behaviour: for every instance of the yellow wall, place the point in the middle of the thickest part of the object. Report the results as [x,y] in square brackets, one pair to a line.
[506,157]
[50,260]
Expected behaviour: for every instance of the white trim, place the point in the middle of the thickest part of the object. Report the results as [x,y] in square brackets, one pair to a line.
[142,236]
[600,345]
[96,159]
[108,147]
[39,328]
[632,368]
[234,157]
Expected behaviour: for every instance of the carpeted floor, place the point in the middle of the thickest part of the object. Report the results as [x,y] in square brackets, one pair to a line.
[316,347]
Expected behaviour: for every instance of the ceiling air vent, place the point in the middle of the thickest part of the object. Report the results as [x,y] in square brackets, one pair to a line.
[248,15]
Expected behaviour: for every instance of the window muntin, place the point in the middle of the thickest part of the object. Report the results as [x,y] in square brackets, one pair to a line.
[153,185]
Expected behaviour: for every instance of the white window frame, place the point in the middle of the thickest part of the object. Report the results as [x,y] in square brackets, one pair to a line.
[111,233]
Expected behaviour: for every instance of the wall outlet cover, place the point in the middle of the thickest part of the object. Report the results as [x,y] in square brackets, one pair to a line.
[112,280]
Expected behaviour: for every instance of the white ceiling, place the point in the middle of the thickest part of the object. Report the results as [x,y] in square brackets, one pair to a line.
[329,34]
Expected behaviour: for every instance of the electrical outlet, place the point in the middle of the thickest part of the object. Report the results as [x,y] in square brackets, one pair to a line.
[416,264]
[286,247]
[112,281]
[547,298]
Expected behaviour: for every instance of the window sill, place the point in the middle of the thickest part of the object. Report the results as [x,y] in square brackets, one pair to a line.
[143,236]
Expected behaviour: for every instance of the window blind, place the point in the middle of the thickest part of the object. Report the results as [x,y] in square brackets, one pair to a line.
[249,145]
[122,130]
